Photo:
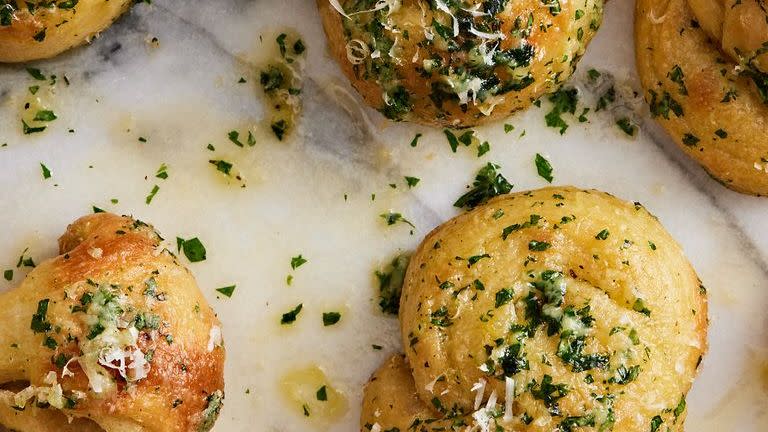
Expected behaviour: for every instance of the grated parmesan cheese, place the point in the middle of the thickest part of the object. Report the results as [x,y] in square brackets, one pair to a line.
[214,338]
[357,51]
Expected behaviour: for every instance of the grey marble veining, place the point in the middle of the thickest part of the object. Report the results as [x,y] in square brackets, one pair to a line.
[184,93]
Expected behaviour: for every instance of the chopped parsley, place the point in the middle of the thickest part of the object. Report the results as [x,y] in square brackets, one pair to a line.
[538,246]
[36,74]
[690,140]
[279,128]
[625,375]
[40,323]
[393,218]
[662,106]
[532,222]
[656,422]
[234,137]
[227,291]
[45,116]
[27,129]
[412,181]
[46,171]
[454,141]
[331,318]
[504,296]
[488,184]
[290,317]
[221,166]
[680,408]
[152,193]
[677,76]
[297,262]
[626,126]
[483,148]
[415,140]
[322,394]
[639,306]
[544,168]
[193,249]
[603,235]
[162,172]
[563,101]
[391,284]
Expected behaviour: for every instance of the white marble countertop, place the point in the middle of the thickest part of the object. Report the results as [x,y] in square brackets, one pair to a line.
[182,93]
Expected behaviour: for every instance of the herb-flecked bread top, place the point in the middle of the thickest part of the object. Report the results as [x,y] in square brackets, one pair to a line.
[457,63]
[704,67]
[552,310]
[114,331]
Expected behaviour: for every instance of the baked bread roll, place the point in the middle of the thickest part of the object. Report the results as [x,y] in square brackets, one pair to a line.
[703,65]
[457,64]
[556,309]
[37,29]
[113,330]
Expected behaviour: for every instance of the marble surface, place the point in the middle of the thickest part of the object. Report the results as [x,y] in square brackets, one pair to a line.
[182,93]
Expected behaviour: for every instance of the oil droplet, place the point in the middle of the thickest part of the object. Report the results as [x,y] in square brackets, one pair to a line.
[304,390]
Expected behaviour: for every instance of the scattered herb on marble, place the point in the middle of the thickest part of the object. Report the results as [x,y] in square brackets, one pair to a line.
[36,74]
[391,283]
[221,166]
[193,249]
[331,318]
[28,130]
[227,291]
[322,394]
[46,171]
[298,261]
[393,218]
[45,116]
[152,193]
[544,168]
[25,260]
[162,172]
[290,317]
[415,140]
[626,126]
[465,138]
[488,184]
[564,101]
[483,148]
[412,181]
[234,137]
